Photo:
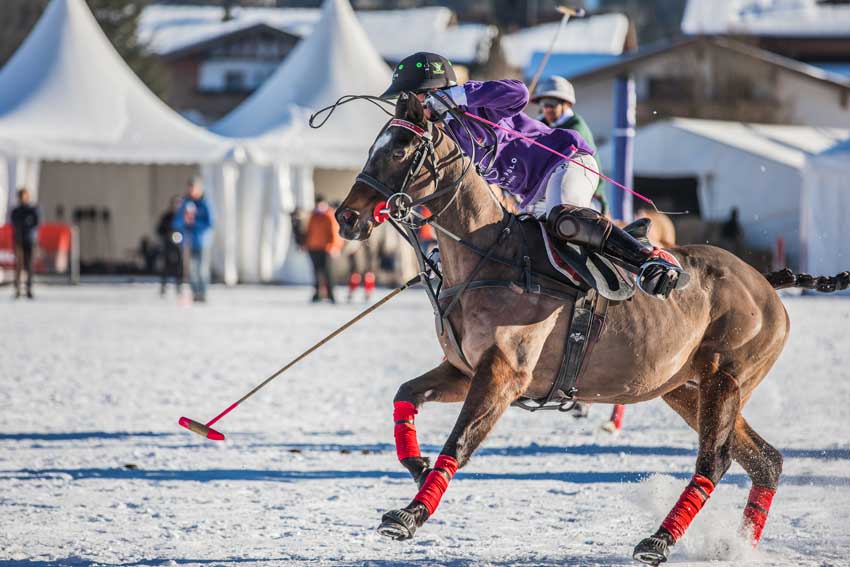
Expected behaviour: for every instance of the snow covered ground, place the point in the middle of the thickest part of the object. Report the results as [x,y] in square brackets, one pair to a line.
[95,471]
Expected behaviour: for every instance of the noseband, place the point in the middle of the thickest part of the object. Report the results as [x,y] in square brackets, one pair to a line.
[399,204]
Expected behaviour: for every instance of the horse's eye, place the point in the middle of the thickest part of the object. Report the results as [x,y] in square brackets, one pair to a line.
[398,154]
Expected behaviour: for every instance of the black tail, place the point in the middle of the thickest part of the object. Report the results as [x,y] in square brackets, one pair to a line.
[825,284]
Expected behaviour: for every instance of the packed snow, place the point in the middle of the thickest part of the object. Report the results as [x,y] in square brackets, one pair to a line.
[95,470]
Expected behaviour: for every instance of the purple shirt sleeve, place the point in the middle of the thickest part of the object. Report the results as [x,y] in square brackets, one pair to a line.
[495,100]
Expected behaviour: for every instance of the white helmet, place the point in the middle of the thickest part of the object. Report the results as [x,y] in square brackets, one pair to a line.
[555,87]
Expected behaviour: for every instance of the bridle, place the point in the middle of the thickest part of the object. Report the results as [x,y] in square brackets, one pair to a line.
[399,204]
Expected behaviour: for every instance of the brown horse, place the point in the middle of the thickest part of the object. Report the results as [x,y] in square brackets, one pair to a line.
[703,351]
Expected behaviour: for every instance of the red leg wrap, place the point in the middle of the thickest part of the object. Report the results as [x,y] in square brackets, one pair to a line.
[690,502]
[353,281]
[755,514]
[369,282]
[406,444]
[437,483]
[617,416]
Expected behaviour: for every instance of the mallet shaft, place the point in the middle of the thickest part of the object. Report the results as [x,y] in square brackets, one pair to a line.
[310,350]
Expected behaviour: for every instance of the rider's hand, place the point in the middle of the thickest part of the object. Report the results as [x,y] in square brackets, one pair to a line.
[438,103]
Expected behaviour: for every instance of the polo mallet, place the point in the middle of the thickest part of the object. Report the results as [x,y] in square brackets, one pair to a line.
[567,13]
[206,430]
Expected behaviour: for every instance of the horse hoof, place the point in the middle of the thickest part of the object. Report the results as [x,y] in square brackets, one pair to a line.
[398,525]
[609,427]
[652,551]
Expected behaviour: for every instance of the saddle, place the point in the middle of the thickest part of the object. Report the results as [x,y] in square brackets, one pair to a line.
[576,266]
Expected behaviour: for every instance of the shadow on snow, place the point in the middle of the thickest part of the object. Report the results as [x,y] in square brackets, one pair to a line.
[211,475]
[530,450]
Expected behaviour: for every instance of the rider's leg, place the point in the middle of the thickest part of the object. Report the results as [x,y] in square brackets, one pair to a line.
[569,191]
[659,273]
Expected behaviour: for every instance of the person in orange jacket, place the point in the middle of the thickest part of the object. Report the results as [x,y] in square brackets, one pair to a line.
[322,242]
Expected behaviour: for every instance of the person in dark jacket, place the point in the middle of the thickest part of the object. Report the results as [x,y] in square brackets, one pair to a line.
[169,241]
[193,220]
[556,98]
[25,219]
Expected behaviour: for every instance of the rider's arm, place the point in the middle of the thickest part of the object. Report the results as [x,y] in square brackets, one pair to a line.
[493,99]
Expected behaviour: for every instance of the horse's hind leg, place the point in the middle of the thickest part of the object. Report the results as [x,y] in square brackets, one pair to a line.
[761,461]
[445,383]
[763,464]
[719,404]
[495,385]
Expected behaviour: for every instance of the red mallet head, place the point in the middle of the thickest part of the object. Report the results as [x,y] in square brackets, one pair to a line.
[200,429]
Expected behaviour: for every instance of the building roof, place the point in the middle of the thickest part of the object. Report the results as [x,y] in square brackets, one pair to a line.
[775,18]
[627,62]
[789,145]
[395,33]
[205,45]
[602,34]
[336,59]
[67,95]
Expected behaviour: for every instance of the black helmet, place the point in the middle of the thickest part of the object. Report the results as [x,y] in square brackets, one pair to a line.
[419,72]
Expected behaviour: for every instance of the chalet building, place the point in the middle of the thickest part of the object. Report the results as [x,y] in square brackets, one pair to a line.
[216,58]
[211,77]
[812,31]
[708,78]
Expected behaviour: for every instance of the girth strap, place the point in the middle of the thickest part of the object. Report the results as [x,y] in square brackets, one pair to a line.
[585,329]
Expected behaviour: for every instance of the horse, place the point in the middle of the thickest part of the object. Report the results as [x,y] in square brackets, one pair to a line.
[703,351]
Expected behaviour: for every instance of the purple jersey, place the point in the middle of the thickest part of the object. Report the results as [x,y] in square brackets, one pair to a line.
[517,166]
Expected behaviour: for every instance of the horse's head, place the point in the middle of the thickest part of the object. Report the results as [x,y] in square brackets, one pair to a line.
[396,163]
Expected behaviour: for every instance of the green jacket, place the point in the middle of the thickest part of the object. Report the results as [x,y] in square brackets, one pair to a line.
[577,123]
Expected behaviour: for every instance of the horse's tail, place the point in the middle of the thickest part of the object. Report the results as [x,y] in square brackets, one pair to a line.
[826,284]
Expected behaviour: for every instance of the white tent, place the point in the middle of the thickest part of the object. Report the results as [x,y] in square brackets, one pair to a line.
[335,60]
[826,212]
[71,109]
[758,168]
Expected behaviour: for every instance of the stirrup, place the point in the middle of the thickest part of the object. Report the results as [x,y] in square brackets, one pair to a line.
[659,278]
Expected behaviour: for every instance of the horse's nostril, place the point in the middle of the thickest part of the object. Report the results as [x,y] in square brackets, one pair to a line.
[347,216]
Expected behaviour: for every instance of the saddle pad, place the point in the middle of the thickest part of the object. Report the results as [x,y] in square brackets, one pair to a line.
[585,269]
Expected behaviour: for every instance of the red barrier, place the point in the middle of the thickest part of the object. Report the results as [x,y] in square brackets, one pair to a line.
[53,255]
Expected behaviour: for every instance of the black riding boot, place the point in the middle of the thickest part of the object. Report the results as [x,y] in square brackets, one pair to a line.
[658,272]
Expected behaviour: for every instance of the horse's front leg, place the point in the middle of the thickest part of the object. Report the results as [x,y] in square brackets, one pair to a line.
[497,383]
[445,383]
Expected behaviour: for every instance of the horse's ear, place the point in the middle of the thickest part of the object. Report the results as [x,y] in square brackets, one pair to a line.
[415,111]
[401,105]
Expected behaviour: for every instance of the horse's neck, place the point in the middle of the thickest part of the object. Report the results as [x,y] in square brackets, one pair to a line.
[474,215]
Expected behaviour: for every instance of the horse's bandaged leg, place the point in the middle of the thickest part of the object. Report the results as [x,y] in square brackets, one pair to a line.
[436,483]
[369,282]
[690,502]
[406,444]
[353,282]
[755,514]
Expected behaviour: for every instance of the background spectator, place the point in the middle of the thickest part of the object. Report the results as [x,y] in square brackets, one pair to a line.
[170,240]
[322,241]
[194,220]
[25,219]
